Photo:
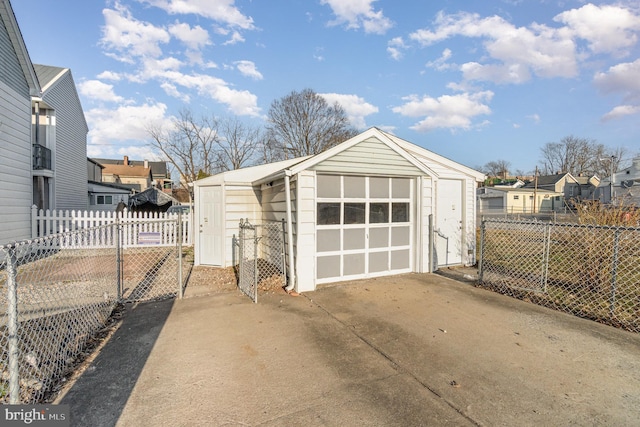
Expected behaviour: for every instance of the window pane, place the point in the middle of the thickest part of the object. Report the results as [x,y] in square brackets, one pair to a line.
[328,213]
[378,213]
[378,188]
[108,200]
[328,240]
[354,187]
[328,186]
[401,188]
[354,213]
[101,200]
[400,212]
[353,238]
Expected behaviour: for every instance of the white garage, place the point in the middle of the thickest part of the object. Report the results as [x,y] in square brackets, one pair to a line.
[373,205]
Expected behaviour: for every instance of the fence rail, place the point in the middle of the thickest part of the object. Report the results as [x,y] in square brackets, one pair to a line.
[139,227]
[57,293]
[586,270]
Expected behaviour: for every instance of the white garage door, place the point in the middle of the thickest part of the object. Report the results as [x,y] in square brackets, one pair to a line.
[363,227]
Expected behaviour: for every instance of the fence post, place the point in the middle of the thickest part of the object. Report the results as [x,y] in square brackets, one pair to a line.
[180,287]
[255,263]
[432,249]
[12,326]
[614,273]
[118,258]
[545,256]
[482,236]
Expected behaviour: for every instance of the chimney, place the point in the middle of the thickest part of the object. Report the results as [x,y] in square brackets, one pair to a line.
[126,160]
[146,164]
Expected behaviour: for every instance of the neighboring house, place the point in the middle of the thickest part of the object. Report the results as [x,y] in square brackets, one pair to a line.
[572,188]
[104,196]
[60,142]
[137,177]
[363,208]
[160,175]
[18,83]
[508,200]
[625,183]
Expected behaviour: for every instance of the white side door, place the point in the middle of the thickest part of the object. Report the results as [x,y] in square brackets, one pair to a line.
[448,229]
[211,231]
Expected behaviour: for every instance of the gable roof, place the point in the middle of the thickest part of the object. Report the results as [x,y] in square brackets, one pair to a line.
[124,170]
[158,168]
[47,75]
[546,180]
[271,171]
[11,24]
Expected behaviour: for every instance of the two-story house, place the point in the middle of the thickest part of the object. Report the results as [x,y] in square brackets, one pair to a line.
[59,139]
[160,175]
[18,83]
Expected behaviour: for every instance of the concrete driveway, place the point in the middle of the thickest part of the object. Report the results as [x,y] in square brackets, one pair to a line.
[408,350]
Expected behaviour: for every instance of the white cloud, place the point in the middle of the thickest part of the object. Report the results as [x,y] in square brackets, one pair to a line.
[355,107]
[236,37]
[129,36]
[240,102]
[194,37]
[125,123]
[441,64]
[223,11]
[621,111]
[446,111]
[534,117]
[359,14]
[248,68]
[99,91]
[518,52]
[623,78]
[395,46]
[172,90]
[110,75]
[606,28]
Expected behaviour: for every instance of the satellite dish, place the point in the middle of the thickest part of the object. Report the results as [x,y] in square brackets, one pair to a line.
[627,184]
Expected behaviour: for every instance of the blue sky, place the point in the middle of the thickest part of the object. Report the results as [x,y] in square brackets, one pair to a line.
[472,81]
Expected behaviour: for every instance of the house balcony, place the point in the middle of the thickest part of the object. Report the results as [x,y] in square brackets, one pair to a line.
[41,157]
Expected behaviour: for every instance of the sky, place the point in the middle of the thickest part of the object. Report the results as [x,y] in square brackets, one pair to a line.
[474,81]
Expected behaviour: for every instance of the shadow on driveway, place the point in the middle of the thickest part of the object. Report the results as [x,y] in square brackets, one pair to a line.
[99,395]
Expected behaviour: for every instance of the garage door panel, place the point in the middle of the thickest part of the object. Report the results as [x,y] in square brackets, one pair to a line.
[379,237]
[328,241]
[401,236]
[400,259]
[378,261]
[328,266]
[354,239]
[354,264]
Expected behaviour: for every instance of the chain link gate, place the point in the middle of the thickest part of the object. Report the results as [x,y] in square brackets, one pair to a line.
[589,271]
[261,260]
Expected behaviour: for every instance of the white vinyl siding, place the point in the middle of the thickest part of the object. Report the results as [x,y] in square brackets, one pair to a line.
[15,165]
[240,202]
[360,159]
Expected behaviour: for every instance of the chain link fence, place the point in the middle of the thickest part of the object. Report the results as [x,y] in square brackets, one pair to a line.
[261,260]
[58,292]
[586,270]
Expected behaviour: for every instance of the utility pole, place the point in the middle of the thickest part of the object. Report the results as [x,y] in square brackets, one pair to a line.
[611,180]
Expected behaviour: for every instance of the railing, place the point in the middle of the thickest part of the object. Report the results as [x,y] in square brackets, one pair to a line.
[41,157]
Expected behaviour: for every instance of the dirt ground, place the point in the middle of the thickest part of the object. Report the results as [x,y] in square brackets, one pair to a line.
[211,280]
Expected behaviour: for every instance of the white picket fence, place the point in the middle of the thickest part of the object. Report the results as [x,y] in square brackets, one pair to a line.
[138,228]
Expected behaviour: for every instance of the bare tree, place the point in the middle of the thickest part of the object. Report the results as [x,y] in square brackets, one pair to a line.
[303,123]
[497,168]
[190,145]
[237,144]
[579,156]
